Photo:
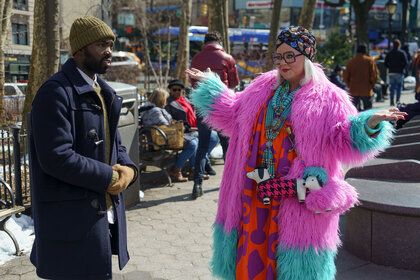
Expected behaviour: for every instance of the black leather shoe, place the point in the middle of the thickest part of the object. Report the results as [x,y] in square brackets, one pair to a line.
[197,188]
[209,170]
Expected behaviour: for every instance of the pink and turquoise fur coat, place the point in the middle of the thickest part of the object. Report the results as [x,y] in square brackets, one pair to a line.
[328,132]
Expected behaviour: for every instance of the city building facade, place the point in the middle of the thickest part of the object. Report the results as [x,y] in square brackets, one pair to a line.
[18,45]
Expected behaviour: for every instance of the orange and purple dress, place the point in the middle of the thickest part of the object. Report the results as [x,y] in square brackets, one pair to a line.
[258,233]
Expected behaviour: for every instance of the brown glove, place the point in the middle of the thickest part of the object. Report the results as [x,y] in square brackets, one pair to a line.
[126,175]
[112,189]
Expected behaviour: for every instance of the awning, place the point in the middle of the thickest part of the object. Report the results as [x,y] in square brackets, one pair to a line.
[164,8]
[235,34]
[383,44]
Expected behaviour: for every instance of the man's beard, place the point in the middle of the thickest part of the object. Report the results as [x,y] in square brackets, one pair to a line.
[93,65]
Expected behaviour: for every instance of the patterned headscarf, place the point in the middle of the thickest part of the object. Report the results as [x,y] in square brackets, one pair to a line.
[300,39]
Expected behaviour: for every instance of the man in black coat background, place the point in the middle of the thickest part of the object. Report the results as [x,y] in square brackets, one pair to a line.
[396,61]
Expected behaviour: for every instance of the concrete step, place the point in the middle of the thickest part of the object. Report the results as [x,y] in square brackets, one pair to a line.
[403,151]
[387,169]
[406,138]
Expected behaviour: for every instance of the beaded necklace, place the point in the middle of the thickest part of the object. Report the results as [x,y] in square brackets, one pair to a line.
[277,112]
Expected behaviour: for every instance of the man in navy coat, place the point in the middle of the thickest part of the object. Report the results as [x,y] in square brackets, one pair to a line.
[79,167]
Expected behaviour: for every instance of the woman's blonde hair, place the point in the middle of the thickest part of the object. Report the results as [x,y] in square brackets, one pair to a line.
[158,97]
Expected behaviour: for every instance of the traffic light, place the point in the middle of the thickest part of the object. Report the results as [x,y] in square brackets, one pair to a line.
[244,20]
[204,9]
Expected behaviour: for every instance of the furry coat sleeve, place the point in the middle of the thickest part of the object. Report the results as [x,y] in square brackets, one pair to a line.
[329,132]
[215,102]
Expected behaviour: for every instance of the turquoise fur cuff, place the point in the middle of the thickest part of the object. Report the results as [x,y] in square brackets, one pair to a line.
[208,90]
[308,264]
[223,263]
[319,172]
[365,143]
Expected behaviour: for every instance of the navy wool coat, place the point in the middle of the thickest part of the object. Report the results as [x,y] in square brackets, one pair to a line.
[70,178]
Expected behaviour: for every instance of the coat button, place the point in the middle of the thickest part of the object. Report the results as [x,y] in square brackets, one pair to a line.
[97,107]
[95,203]
[92,134]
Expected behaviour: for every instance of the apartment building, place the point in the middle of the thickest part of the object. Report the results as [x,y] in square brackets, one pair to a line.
[18,45]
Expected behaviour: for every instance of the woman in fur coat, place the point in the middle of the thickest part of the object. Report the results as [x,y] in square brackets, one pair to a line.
[297,123]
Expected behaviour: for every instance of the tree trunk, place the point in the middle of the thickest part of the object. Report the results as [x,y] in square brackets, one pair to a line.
[225,11]
[307,14]
[45,49]
[183,55]
[218,20]
[5,12]
[404,31]
[274,29]
[361,11]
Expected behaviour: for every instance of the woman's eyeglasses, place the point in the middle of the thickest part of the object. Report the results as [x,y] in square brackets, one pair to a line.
[288,57]
[176,89]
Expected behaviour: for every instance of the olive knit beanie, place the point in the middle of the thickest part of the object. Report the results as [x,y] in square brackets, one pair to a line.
[86,30]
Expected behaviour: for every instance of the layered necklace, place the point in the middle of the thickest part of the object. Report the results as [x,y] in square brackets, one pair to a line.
[277,112]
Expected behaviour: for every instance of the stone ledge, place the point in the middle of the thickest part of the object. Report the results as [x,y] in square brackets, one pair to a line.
[400,198]
[384,228]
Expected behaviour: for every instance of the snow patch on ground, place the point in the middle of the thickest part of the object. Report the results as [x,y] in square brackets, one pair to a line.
[23,230]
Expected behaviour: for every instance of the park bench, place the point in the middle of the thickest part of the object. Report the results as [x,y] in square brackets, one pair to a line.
[7,209]
[152,154]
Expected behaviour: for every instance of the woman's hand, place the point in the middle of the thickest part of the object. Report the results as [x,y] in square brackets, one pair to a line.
[392,114]
[197,74]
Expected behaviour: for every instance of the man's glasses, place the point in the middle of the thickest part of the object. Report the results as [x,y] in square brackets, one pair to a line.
[288,57]
[176,89]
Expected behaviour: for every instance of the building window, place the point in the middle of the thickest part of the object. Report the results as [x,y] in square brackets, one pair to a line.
[20,34]
[20,5]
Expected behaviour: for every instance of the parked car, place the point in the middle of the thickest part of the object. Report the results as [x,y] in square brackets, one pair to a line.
[14,100]
[125,58]
[124,68]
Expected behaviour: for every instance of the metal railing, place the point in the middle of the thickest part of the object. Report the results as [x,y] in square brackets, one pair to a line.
[14,164]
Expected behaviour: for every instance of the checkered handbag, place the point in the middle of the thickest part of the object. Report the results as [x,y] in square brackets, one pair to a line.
[277,188]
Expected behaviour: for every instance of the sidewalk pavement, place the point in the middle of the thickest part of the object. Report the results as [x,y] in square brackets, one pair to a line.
[170,236]
[407,96]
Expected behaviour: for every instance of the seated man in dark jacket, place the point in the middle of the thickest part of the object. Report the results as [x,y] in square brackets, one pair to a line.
[335,77]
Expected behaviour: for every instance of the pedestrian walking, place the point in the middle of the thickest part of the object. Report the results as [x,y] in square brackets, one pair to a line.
[296,123]
[79,167]
[396,61]
[361,75]
[211,56]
